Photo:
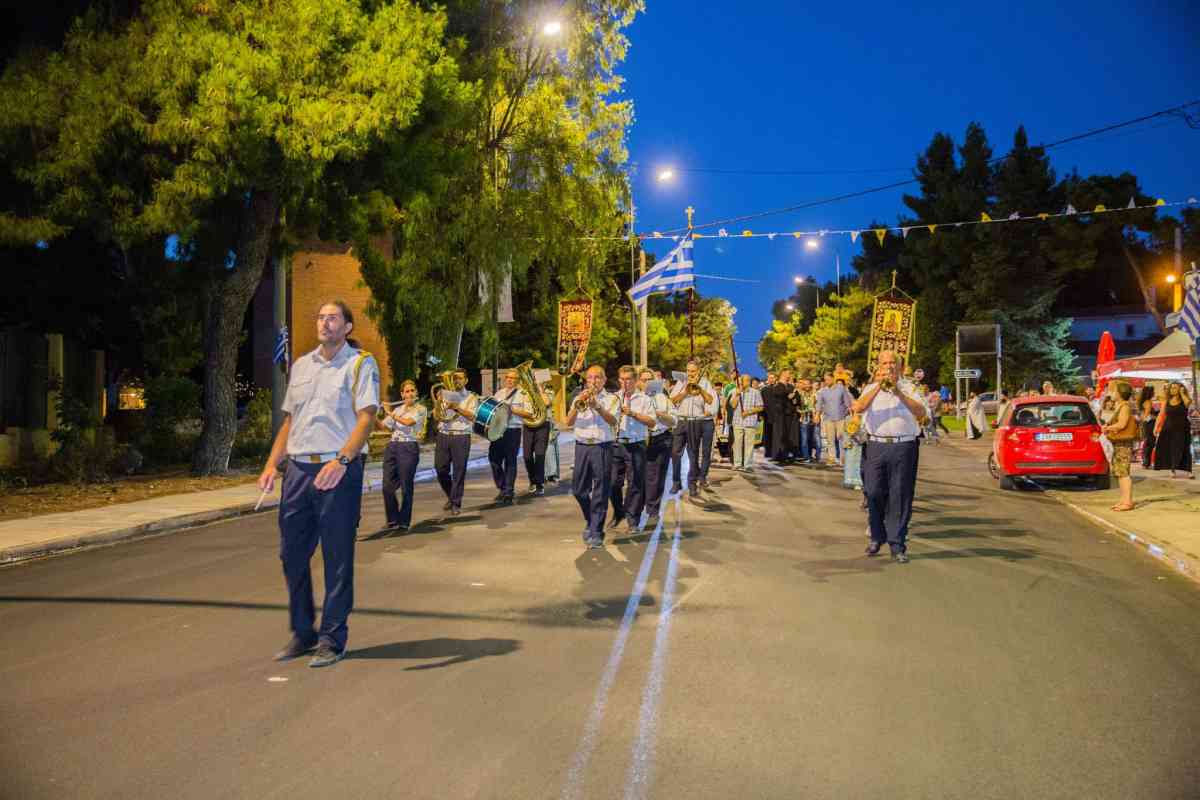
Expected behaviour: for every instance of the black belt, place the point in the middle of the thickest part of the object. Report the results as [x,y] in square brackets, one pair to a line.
[631,441]
[591,444]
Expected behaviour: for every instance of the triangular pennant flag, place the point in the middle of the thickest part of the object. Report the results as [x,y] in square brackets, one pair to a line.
[880,233]
[824,231]
[958,224]
[697,235]
[1160,202]
[1131,204]
[1043,216]
[854,235]
[771,236]
[1099,209]
[657,235]
[1015,215]
[796,234]
[984,217]
[932,229]
[903,233]
[674,238]
[722,232]
[747,233]
[1070,210]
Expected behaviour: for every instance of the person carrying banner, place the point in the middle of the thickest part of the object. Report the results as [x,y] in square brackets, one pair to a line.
[329,410]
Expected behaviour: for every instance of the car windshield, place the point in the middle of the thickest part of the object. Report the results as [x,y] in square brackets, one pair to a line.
[1058,415]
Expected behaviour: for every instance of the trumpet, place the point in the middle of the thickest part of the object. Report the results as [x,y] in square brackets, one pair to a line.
[585,400]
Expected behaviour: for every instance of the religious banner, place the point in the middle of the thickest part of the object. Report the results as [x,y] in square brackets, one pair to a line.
[574,333]
[891,327]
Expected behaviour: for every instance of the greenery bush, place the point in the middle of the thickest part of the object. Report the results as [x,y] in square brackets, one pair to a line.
[170,401]
[253,440]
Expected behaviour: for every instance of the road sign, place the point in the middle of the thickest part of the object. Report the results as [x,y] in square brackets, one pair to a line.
[968,373]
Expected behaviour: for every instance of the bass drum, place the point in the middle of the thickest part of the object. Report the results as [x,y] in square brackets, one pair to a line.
[491,419]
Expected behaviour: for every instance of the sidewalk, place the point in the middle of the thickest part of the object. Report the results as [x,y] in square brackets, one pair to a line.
[23,539]
[1165,521]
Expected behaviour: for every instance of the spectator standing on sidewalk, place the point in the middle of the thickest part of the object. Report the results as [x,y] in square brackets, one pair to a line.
[1122,432]
[1173,449]
[833,406]
[747,405]
[329,410]
[1149,416]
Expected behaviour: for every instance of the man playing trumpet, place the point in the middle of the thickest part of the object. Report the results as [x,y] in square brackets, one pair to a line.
[696,404]
[593,415]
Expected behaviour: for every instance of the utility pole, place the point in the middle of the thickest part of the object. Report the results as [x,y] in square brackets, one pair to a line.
[691,296]
[645,360]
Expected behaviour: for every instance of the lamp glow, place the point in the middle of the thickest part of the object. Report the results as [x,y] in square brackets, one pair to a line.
[665,174]
[552,28]
[811,244]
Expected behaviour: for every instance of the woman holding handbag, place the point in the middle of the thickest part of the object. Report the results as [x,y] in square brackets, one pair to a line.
[1122,431]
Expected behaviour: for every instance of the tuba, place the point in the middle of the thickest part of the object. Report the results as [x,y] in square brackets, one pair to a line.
[537,403]
[446,383]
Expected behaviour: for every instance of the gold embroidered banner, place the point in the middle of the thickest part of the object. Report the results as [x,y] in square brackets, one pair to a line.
[892,327]
[574,333]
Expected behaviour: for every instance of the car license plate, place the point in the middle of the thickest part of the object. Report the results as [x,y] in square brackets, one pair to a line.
[1054,437]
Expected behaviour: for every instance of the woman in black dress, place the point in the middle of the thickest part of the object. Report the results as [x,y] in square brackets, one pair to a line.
[1149,417]
[1173,450]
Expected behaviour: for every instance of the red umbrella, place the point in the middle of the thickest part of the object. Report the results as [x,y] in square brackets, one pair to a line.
[1107,352]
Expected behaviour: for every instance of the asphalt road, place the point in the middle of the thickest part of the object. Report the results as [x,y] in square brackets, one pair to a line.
[747,649]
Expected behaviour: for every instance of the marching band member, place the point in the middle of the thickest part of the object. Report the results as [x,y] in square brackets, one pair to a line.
[593,415]
[535,444]
[695,400]
[629,455]
[407,424]
[502,453]
[658,447]
[454,443]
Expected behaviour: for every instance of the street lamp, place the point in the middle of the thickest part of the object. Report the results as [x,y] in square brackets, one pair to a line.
[1177,293]
[552,28]
[802,282]
[665,174]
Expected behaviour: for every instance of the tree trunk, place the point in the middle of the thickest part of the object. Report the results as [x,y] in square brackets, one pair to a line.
[227,296]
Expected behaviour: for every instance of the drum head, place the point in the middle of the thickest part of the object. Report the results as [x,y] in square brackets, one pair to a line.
[498,423]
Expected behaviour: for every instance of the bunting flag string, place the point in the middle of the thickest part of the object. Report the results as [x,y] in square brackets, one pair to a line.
[903,231]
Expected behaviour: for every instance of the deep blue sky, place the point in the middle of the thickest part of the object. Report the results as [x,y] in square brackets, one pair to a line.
[772,85]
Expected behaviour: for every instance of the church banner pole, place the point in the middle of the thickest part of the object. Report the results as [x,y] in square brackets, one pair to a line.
[691,296]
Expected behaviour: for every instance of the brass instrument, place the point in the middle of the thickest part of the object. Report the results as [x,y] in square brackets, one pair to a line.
[558,387]
[537,403]
[435,392]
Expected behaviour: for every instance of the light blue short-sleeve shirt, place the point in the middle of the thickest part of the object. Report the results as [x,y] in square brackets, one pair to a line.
[747,398]
[407,433]
[324,397]
[887,414]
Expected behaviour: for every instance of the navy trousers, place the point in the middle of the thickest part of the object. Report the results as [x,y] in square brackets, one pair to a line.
[889,471]
[699,448]
[678,445]
[308,516]
[628,469]
[502,455]
[399,468]
[533,444]
[658,463]
[451,452]
[591,485]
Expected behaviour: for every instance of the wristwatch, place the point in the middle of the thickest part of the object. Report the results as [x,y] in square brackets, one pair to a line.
[343,460]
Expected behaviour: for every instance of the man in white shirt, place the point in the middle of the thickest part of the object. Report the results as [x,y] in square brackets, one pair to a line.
[747,405]
[329,410]
[696,404]
[658,448]
[454,442]
[593,415]
[502,453]
[629,455]
[893,413]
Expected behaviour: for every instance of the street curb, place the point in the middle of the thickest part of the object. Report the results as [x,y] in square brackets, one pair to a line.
[1186,565]
[28,552]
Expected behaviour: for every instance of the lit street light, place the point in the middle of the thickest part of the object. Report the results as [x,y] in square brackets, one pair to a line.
[552,28]
[811,244]
[665,174]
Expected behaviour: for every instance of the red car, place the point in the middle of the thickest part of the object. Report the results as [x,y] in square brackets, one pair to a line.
[1050,436]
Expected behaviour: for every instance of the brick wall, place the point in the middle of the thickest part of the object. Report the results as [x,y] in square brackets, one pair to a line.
[324,271]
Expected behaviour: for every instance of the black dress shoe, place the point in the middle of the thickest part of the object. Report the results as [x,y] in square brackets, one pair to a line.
[693,491]
[873,548]
[447,506]
[500,497]
[295,648]
[505,500]
[539,491]
[900,558]
[455,511]
[616,521]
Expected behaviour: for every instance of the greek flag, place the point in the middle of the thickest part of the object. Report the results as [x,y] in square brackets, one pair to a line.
[281,346]
[674,273]
[1189,315]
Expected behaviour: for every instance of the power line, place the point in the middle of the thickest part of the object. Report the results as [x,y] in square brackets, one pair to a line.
[785,172]
[1174,110]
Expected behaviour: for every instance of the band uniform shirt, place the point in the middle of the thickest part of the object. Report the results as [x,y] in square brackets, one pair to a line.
[513,398]
[662,405]
[692,405]
[887,414]
[323,399]
[590,427]
[833,402]
[628,427]
[454,423]
[747,398]
[408,433]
